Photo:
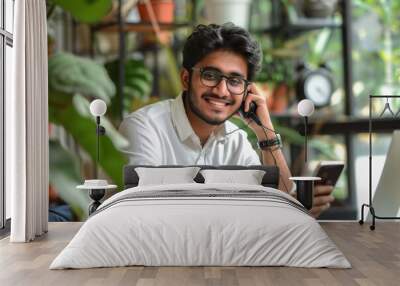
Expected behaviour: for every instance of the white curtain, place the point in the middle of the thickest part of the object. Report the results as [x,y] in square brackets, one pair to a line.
[27,124]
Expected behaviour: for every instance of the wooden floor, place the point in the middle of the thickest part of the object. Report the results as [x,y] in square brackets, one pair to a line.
[374,255]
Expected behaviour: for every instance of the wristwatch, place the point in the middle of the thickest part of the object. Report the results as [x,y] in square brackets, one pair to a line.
[269,143]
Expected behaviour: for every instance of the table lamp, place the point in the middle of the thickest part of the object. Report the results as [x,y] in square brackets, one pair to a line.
[97,188]
[98,108]
[305,185]
[305,108]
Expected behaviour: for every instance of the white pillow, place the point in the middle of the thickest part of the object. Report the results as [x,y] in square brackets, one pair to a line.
[163,176]
[249,177]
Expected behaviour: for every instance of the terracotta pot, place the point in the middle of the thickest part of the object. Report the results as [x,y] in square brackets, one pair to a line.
[277,96]
[164,13]
[163,10]
[267,91]
[280,98]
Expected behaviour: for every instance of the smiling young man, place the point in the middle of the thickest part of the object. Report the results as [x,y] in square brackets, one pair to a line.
[219,63]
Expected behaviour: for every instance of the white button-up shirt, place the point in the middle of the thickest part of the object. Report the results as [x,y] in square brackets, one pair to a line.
[161,134]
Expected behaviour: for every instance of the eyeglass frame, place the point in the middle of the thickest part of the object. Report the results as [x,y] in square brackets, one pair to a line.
[246,82]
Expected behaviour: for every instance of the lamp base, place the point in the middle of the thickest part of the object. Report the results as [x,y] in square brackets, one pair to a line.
[96,195]
[305,190]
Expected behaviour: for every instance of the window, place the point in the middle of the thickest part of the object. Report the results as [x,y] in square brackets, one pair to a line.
[376,42]
[360,45]
[6,43]
[376,39]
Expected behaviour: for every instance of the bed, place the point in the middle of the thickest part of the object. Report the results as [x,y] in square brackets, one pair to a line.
[201,224]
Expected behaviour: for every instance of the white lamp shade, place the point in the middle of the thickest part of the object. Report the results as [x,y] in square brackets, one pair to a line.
[98,107]
[305,107]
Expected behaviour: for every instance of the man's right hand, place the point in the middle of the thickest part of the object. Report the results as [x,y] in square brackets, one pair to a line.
[322,199]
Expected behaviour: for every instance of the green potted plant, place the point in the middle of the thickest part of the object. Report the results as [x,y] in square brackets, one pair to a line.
[73,83]
[162,11]
[138,83]
[319,8]
[309,10]
[277,75]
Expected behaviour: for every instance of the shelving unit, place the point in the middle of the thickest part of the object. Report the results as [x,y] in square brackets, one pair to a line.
[302,25]
[122,28]
[346,125]
[138,27]
[353,125]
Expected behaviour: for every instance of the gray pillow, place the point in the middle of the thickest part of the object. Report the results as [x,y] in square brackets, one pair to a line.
[248,177]
[162,176]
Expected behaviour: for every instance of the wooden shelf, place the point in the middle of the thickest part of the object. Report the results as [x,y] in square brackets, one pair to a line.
[143,27]
[302,25]
[351,125]
[340,125]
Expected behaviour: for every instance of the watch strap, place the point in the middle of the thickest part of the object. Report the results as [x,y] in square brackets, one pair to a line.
[269,143]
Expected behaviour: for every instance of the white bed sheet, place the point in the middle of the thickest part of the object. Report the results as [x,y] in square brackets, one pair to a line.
[189,231]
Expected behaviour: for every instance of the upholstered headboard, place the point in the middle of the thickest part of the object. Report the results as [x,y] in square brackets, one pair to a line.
[270,179]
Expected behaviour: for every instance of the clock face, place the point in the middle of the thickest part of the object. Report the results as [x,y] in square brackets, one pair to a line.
[318,88]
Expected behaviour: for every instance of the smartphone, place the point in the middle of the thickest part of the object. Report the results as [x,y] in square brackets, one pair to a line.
[252,110]
[329,172]
[251,113]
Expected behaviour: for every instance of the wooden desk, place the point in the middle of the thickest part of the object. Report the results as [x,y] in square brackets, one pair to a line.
[374,255]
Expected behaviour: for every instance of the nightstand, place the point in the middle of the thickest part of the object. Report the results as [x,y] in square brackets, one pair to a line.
[97,190]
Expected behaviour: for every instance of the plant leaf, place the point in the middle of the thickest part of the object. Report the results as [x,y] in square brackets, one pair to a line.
[138,83]
[64,177]
[82,128]
[86,11]
[72,74]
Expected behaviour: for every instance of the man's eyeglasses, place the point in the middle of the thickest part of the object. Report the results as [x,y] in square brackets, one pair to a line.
[211,78]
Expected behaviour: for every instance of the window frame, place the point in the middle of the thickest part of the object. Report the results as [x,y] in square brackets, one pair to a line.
[6,39]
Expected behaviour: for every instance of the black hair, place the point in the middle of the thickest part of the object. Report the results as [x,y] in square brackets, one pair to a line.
[206,39]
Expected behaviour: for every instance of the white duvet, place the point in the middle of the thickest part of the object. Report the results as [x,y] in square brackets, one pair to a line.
[269,228]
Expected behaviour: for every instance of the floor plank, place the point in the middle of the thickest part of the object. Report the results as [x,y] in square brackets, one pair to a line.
[374,255]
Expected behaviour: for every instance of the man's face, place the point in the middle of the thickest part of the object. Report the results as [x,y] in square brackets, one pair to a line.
[215,105]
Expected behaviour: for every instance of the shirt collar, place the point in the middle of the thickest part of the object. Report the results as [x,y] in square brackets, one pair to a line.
[182,124]
[180,120]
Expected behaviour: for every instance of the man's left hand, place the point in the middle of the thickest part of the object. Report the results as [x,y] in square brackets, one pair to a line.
[259,98]
[322,199]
